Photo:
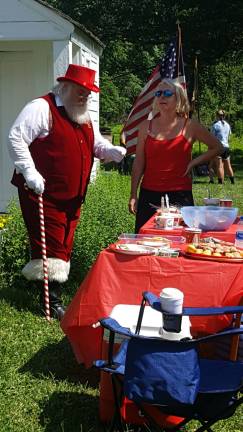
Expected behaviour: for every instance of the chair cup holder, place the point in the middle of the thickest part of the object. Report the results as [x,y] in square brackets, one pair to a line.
[172,322]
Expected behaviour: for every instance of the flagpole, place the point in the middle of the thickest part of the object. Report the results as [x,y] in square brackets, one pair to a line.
[178,45]
[197,83]
[195,106]
[197,53]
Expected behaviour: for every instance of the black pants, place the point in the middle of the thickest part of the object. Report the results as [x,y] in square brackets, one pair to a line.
[147,197]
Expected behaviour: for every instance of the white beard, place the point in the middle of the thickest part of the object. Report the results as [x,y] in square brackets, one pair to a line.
[78,114]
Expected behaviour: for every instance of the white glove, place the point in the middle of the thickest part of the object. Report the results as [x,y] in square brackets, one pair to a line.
[34,180]
[115,153]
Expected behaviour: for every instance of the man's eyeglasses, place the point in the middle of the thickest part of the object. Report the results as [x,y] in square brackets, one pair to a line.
[166,93]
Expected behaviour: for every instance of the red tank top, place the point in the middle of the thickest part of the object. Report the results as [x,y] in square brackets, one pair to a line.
[166,161]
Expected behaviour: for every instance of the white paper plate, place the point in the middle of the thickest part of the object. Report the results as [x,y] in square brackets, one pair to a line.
[132,249]
[153,243]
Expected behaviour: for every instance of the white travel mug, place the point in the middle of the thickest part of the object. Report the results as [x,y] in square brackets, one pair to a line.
[171,300]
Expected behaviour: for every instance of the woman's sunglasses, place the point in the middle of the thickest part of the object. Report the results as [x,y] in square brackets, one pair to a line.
[166,93]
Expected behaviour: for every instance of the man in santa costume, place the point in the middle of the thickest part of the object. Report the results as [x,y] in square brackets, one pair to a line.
[52,144]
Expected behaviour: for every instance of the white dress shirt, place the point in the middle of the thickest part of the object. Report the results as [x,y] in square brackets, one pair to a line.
[34,121]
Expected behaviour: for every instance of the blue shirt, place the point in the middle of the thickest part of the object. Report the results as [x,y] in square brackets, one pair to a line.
[221,129]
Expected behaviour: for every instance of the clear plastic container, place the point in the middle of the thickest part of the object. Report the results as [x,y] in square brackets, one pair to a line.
[171,253]
[131,238]
[239,239]
[209,218]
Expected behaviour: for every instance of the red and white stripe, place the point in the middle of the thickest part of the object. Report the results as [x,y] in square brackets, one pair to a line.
[140,110]
[44,258]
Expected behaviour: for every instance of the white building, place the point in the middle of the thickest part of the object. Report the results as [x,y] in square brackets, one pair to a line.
[37,43]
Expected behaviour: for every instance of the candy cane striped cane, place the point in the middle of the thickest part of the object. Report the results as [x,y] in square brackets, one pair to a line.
[44,258]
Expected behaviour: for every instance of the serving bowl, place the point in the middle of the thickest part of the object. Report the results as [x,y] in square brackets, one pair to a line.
[209,218]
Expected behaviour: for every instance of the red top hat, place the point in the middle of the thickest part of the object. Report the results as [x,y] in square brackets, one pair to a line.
[80,75]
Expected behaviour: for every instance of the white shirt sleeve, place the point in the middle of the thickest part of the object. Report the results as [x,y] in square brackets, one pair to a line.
[101,144]
[32,122]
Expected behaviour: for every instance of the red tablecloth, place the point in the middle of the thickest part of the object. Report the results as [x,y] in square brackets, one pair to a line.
[228,235]
[121,279]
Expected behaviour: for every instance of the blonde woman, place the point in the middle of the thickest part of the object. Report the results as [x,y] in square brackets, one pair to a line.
[164,153]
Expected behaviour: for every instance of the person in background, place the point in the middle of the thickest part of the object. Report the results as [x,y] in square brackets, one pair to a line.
[221,129]
[164,153]
[52,144]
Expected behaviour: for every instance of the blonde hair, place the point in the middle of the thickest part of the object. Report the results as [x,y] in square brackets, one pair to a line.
[182,103]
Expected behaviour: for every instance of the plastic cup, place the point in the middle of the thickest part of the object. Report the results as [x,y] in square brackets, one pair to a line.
[165,221]
[226,202]
[211,201]
[239,239]
[192,235]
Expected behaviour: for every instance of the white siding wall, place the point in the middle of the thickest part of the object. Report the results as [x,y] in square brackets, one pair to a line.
[25,73]
[29,20]
[36,46]
[61,59]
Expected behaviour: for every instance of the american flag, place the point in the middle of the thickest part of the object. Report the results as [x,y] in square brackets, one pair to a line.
[170,66]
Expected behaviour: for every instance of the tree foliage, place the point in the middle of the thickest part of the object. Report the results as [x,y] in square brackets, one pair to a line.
[136,34]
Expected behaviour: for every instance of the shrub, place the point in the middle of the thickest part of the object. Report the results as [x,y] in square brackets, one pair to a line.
[238,128]
[104,216]
[14,245]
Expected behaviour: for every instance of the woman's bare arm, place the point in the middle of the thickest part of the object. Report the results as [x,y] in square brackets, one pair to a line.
[198,132]
[138,167]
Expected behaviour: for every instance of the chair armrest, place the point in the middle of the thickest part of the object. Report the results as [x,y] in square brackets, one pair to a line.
[112,325]
[229,332]
[222,310]
[154,302]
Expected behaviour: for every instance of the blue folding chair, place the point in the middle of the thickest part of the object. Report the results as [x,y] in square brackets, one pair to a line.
[171,375]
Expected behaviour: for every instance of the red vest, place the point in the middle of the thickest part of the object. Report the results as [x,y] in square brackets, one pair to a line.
[64,158]
[165,164]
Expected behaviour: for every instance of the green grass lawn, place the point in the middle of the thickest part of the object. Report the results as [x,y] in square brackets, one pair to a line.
[41,385]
